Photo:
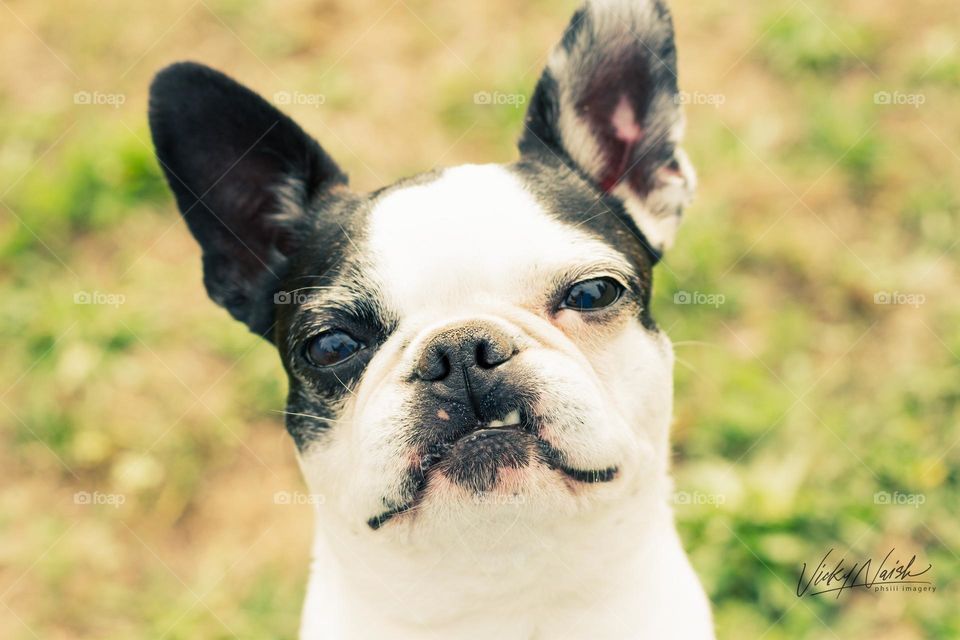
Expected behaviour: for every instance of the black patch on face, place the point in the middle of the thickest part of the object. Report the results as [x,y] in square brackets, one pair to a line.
[570,199]
[326,290]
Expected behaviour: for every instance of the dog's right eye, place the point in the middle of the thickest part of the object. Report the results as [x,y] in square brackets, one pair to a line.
[591,295]
[332,347]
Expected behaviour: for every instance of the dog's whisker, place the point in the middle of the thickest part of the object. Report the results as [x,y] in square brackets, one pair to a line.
[686,365]
[308,415]
[349,390]
[308,288]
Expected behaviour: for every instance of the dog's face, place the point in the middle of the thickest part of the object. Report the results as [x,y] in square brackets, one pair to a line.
[474,343]
[471,338]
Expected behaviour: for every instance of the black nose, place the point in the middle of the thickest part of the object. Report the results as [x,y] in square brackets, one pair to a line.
[469,350]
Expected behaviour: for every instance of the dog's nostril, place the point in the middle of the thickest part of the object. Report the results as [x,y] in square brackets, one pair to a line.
[434,366]
[480,355]
[488,356]
[471,348]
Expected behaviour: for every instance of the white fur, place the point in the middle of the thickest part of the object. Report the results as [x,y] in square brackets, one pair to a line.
[538,557]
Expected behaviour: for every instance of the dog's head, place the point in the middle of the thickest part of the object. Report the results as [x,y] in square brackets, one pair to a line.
[472,337]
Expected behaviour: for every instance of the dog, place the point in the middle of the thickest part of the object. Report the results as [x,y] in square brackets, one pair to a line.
[477,387]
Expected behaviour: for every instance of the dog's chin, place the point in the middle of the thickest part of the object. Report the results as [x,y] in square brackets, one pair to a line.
[488,468]
[483,460]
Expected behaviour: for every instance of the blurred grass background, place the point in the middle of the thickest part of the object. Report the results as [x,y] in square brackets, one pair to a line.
[799,397]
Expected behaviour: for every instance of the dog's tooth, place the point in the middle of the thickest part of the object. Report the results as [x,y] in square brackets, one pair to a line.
[512,419]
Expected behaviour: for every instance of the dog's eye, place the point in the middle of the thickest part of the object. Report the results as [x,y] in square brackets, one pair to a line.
[592,294]
[331,347]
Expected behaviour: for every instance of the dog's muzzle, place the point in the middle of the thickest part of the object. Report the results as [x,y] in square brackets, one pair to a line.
[475,415]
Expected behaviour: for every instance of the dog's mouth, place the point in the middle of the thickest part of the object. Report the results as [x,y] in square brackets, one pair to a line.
[477,459]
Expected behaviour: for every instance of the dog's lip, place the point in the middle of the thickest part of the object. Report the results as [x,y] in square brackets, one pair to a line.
[549,456]
[378,521]
[587,477]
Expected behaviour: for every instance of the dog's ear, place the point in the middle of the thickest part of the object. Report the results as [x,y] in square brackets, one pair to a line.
[607,104]
[244,176]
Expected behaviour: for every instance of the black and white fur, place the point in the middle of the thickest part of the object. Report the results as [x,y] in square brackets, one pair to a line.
[494,463]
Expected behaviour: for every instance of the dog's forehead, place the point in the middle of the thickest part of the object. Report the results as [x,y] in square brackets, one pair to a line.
[473,230]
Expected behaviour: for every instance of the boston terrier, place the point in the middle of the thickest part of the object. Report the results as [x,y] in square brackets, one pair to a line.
[477,387]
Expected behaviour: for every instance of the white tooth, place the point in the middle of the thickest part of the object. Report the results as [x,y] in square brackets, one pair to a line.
[512,419]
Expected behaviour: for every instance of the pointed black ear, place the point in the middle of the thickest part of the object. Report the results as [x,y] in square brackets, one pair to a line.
[608,105]
[244,176]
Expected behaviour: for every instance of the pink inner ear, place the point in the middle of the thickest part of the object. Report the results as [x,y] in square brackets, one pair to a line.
[625,123]
[627,130]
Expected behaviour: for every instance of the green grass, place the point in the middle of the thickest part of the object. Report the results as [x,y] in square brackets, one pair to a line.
[798,397]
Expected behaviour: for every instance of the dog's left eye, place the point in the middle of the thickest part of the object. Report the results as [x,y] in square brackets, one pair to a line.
[331,347]
[590,295]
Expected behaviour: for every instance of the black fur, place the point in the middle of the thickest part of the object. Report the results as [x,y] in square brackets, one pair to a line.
[235,164]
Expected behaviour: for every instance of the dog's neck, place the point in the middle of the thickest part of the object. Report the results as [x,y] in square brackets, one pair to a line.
[568,570]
